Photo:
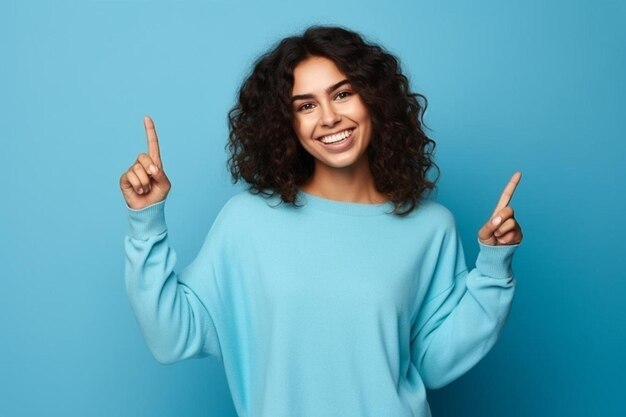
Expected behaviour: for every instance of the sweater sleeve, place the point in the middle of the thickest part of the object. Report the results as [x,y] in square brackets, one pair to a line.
[459,324]
[170,308]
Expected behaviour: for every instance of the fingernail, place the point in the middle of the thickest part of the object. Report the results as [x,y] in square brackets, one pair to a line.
[153,169]
[496,221]
[141,191]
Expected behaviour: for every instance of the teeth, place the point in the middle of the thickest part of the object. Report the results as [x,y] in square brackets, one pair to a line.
[336,137]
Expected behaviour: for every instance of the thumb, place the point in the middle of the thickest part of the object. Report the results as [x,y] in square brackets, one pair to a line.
[485,234]
[158,175]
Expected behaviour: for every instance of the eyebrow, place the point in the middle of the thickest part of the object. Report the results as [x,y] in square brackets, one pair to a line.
[328,91]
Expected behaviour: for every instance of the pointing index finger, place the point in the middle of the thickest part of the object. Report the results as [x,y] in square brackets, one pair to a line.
[153,140]
[507,194]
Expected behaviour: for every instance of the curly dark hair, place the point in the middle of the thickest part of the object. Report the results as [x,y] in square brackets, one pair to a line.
[265,151]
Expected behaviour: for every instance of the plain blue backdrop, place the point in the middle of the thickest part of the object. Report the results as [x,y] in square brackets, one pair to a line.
[524,85]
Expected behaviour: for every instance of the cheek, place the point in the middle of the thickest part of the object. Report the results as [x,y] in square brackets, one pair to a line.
[302,127]
[365,120]
[360,112]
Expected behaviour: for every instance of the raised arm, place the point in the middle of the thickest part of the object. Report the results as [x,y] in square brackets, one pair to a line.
[170,308]
[458,325]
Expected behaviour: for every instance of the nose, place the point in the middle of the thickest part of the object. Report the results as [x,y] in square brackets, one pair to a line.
[329,116]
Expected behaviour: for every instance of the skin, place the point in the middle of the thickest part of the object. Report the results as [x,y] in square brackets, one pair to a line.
[323,105]
[502,228]
[145,182]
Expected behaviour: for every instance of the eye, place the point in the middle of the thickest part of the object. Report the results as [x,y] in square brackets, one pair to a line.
[305,107]
[343,94]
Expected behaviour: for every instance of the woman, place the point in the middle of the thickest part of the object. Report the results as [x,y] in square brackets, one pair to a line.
[331,286]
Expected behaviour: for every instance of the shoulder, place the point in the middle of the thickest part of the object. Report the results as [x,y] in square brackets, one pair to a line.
[246,202]
[435,214]
[245,208]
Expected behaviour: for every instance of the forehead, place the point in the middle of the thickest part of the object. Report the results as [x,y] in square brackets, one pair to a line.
[314,75]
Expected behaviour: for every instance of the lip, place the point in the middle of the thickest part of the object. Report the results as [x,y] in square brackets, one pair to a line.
[341,146]
[319,138]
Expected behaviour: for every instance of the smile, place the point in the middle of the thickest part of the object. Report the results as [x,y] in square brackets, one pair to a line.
[336,137]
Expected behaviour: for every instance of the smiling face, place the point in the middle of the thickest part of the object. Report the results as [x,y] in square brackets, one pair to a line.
[330,119]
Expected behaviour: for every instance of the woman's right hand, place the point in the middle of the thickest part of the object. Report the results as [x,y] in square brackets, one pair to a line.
[145,182]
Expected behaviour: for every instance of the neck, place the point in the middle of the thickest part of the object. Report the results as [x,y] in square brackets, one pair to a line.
[353,184]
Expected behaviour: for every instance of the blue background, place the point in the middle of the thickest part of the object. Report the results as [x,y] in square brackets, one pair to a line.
[530,85]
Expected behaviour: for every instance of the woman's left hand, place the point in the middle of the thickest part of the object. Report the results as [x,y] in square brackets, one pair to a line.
[502,228]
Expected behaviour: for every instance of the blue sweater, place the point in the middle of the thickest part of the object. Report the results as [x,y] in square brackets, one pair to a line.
[330,309]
